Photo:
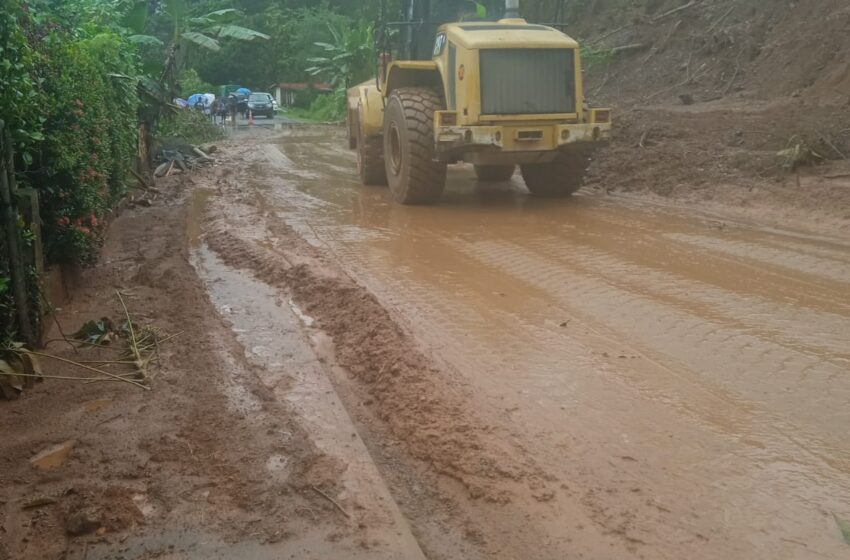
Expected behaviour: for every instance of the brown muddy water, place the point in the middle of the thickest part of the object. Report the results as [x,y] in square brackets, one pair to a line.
[686,376]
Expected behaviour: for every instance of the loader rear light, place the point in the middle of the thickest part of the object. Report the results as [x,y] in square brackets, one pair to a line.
[600,115]
[448,118]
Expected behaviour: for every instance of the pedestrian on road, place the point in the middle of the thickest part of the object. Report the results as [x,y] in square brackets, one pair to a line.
[233,106]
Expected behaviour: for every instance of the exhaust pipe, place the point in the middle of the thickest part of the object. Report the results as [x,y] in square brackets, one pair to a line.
[511,9]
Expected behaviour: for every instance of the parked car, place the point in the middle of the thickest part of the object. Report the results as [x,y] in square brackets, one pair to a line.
[261,104]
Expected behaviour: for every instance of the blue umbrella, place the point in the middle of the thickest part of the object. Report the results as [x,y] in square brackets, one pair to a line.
[244,91]
[195,98]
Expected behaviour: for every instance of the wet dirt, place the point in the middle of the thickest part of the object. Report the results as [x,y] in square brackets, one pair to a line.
[679,380]
[496,376]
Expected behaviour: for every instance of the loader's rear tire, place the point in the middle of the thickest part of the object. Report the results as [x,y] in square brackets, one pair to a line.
[412,172]
[370,158]
[561,177]
[494,172]
[351,129]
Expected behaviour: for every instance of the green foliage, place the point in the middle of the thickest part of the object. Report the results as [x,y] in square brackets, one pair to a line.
[19,95]
[69,95]
[348,58]
[191,83]
[90,140]
[190,126]
[595,56]
[293,31]
[328,107]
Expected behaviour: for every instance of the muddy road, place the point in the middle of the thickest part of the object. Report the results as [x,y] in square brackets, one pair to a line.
[624,379]
[492,377]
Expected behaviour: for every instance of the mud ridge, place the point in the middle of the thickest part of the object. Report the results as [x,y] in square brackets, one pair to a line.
[405,390]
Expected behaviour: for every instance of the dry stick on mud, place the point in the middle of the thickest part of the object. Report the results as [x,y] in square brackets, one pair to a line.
[134,347]
[718,20]
[699,73]
[663,44]
[96,370]
[331,500]
[834,149]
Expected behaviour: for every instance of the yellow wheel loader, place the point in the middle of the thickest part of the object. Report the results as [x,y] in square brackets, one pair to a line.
[494,93]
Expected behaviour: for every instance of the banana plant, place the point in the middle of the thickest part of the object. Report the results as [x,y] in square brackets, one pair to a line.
[348,58]
[204,31]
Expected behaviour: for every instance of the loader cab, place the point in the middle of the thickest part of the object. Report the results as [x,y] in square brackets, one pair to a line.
[422,18]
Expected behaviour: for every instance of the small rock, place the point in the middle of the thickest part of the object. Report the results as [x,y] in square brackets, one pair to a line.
[686,99]
[82,522]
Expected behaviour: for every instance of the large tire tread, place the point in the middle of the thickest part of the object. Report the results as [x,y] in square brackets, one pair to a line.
[421,179]
[370,158]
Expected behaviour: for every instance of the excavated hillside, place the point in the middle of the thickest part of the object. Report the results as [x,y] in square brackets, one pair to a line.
[708,93]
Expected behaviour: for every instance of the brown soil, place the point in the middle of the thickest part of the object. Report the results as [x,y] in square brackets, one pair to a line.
[419,402]
[179,454]
[713,92]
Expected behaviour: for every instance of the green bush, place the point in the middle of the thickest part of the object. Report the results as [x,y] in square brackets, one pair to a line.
[89,140]
[328,107]
[190,126]
[69,95]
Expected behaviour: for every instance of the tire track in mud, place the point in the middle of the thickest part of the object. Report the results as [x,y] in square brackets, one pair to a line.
[815,267]
[826,335]
[424,412]
[700,345]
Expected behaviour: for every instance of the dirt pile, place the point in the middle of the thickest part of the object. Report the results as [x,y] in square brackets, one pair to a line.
[708,92]
[714,48]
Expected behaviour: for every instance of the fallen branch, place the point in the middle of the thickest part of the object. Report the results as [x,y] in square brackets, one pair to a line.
[202,154]
[718,20]
[134,348]
[837,176]
[66,377]
[602,85]
[161,169]
[836,150]
[669,13]
[331,500]
[84,366]
[663,44]
[631,47]
[606,35]
[685,82]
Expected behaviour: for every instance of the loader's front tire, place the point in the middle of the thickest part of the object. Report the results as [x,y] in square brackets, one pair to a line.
[561,177]
[370,158]
[412,172]
[494,172]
